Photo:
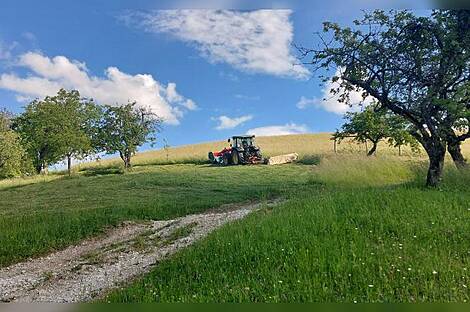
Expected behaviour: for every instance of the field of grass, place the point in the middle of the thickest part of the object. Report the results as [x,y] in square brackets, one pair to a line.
[38,215]
[344,239]
[353,228]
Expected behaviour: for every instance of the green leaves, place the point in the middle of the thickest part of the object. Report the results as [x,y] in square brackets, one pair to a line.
[124,128]
[57,127]
[375,125]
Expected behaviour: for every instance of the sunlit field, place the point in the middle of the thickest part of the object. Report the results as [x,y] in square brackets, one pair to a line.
[306,145]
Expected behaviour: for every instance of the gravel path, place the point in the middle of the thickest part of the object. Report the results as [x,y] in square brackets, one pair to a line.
[83,272]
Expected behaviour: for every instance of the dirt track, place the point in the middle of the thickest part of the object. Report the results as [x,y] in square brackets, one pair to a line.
[83,272]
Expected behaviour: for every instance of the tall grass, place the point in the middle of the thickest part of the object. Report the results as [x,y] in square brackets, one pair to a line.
[363,231]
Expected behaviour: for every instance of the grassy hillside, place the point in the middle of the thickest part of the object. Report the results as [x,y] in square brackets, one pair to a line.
[363,231]
[354,228]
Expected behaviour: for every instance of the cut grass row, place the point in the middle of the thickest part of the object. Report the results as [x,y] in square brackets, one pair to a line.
[345,239]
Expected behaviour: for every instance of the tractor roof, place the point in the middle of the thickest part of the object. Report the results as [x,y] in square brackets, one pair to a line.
[243,136]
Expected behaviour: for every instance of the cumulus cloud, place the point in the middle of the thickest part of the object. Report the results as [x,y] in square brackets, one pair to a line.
[47,75]
[286,129]
[226,122]
[256,41]
[330,102]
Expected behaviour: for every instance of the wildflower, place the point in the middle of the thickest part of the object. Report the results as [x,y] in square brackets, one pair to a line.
[409,269]
[355,301]
[370,286]
[414,236]
[398,270]
[434,272]
[280,282]
[464,286]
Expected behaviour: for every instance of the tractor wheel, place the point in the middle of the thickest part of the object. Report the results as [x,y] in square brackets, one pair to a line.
[226,160]
[235,158]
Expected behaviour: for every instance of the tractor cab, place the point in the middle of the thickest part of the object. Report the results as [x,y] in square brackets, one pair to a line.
[242,143]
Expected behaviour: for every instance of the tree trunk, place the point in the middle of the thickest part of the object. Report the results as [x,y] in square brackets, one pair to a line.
[69,164]
[43,169]
[436,152]
[128,161]
[126,158]
[373,149]
[455,152]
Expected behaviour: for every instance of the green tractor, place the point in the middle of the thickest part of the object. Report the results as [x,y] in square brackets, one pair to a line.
[242,151]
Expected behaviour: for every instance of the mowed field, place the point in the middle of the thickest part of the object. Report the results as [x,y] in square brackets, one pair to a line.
[352,229]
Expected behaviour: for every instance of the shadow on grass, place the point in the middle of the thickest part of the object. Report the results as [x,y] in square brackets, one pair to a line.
[92,172]
[310,160]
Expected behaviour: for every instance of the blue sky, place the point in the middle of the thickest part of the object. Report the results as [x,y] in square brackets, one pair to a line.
[211,74]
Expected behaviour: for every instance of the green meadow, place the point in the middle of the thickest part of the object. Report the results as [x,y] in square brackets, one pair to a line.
[352,228]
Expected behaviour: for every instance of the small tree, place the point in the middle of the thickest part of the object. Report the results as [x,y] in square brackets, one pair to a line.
[125,128]
[79,124]
[40,127]
[58,127]
[374,125]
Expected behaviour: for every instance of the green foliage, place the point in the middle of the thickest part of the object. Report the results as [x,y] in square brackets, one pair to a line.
[57,127]
[124,128]
[5,120]
[415,66]
[375,125]
[14,160]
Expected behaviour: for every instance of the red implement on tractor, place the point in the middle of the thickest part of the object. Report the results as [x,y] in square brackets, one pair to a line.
[242,151]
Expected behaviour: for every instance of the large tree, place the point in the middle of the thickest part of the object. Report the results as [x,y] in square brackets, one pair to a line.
[126,127]
[415,67]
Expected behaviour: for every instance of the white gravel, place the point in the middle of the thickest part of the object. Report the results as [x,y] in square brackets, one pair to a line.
[85,271]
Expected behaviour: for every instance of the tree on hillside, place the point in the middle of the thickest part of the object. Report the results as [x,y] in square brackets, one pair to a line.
[413,66]
[124,128]
[79,125]
[58,127]
[40,127]
[374,125]
[13,157]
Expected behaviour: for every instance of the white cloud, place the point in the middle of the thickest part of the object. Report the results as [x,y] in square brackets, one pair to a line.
[286,129]
[47,75]
[256,41]
[226,122]
[330,102]
[6,50]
